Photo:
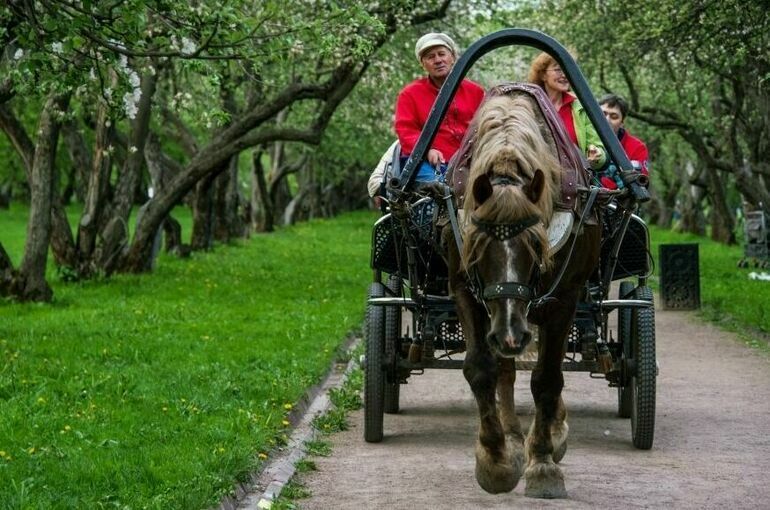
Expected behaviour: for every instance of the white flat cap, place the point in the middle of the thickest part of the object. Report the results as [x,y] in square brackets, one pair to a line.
[434,39]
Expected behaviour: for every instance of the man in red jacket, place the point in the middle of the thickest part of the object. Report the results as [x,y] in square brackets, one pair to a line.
[437,54]
[615,109]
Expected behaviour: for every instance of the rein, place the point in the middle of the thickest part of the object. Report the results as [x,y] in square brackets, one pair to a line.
[586,211]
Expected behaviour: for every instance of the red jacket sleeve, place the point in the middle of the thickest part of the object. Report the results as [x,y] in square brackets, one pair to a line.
[640,154]
[407,124]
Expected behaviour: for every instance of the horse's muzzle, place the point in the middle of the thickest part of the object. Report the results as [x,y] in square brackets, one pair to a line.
[509,343]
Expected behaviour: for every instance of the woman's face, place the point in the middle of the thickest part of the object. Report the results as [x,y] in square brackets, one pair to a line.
[554,79]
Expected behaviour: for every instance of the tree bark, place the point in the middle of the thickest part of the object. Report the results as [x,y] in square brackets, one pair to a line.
[202,230]
[261,205]
[228,224]
[721,218]
[161,170]
[8,275]
[33,285]
[80,158]
[693,219]
[115,233]
[94,213]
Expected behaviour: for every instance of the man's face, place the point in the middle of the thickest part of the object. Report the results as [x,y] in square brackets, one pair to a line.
[613,116]
[437,62]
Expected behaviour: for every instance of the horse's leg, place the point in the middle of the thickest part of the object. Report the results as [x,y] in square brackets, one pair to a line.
[496,468]
[546,441]
[507,411]
[559,432]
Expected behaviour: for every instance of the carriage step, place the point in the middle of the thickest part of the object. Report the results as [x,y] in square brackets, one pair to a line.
[566,366]
[407,302]
[611,304]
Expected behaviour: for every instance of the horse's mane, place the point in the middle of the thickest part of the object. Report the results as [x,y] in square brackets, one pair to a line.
[510,142]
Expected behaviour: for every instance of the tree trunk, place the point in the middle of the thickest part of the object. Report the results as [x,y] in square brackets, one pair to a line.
[173,231]
[720,218]
[115,233]
[226,203]
[296,209]
[161,172]
[80,158]
[32,283]
[94,214]
[8,275]
[693,220]
[203,213]
[261,206]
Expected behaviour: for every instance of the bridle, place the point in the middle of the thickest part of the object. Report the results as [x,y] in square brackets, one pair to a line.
[503,290]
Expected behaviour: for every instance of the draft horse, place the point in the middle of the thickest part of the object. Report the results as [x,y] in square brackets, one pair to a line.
[500,275]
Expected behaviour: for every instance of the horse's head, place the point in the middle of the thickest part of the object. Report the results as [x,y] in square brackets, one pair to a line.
[513,178]
[506,249]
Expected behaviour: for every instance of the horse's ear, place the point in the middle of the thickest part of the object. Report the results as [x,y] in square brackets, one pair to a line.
[482,189]
[535,188]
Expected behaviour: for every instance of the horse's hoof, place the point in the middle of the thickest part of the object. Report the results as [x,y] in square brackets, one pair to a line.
[496,477]
[545,480]
[559,452]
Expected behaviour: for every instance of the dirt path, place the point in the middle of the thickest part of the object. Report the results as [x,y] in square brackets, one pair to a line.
[711,450]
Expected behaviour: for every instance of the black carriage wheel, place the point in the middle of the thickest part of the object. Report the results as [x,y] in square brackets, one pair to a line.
[624,336]
[392,347]
[374,375]
[644,378]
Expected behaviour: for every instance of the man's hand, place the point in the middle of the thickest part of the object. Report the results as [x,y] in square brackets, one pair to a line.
[435,158]
[594,154]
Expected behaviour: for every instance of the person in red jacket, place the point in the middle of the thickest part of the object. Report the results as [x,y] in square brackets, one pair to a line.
[437,54]
[615,109]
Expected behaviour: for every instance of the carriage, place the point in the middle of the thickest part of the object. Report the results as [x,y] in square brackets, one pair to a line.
[412,318]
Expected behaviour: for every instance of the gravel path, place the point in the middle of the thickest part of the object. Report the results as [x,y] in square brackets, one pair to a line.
[711,450]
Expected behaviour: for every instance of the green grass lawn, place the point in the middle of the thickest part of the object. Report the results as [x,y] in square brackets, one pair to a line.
[163,390]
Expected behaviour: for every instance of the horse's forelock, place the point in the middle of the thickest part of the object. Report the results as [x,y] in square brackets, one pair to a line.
[510,142]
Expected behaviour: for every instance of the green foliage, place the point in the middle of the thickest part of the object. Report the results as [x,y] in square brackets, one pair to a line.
[693,72]
[362,128]
[163,391]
